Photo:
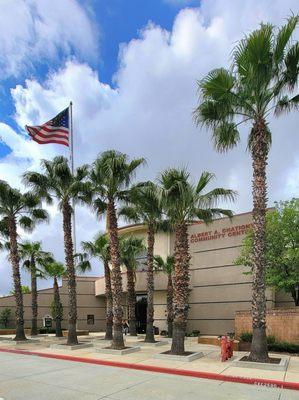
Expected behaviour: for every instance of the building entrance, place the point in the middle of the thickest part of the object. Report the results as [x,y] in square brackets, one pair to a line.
[141,308]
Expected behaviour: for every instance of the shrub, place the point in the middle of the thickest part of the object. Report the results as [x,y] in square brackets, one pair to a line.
[271,339]
[46,330]
[5,317]
[284,347]
[246,337]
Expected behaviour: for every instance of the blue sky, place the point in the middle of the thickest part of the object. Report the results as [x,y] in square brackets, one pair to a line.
[138,100]
[116,22]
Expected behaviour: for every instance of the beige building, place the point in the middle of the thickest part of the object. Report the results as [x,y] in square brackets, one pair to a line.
[218,288]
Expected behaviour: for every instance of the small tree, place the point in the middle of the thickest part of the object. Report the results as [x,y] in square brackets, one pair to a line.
[99,248]
[18,210]
[282,248]
[167,267]
[24,288]
[5,317]
[130,248]
[56,270]
[144,206]
[33,257]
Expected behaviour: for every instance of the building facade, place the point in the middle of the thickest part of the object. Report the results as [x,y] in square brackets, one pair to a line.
[218,288]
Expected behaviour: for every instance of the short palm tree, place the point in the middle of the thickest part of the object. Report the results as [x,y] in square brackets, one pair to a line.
[130,248]
[264,71]
[167,267]
[18,210]
[34,257]
[110,178]
[56,271]
[99,248]
[57,182]
[183,202]
[144,206]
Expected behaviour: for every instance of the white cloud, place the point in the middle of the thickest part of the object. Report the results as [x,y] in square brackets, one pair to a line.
[149,112]
[34,31]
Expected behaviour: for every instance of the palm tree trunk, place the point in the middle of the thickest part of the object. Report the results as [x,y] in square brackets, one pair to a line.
[109,302]
[69,261]
[149,337]
[295,295]
[15,260]
[118,340]
[180,289]
[131,301]
[58,309]
[169,305]
[34,305]
[259,351]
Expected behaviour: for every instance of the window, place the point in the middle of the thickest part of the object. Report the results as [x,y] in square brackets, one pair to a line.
[141,261]
[90,319]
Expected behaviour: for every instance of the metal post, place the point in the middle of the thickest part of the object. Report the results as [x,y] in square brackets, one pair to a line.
[72,169]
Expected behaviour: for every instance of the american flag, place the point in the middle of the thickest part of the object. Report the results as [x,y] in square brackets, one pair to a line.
[54,131]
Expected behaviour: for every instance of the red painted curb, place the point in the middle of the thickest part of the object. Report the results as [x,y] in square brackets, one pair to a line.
[163,370]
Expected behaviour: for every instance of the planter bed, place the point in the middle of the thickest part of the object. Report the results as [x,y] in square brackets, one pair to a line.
[188,356]
[276,363]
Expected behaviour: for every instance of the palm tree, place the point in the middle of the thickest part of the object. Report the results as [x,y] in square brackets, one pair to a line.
[56,270]
[57,182]
[23,210]
[183,202]
[264,70]
[100,248]
[167,267]
[110,177]
[33,256]
[130,248]
[144,206]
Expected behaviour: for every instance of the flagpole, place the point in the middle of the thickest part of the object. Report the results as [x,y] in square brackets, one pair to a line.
[72,169]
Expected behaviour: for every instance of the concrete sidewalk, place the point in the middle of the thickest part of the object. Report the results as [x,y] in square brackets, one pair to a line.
[25,377]
[209,363]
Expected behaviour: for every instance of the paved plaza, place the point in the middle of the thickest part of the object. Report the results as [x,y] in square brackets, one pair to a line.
[33,377]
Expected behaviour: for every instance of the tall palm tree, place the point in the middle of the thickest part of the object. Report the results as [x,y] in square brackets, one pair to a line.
[264,71]
[183,202]
[33,257]
[18,210]
[144,206]
[56,271]
[167,267]
[130,248]
[110,177]
[100,248]
[57,182]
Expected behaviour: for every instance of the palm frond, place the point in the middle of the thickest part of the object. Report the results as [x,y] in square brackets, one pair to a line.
[204,180]
[291,73]
[26,223]
[283,38]
[226,136]
[286,104]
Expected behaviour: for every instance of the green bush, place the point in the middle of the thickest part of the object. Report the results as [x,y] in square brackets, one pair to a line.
[271,339]
[284,347]
[47,330]
[246,337]
[5,317]
[273,345]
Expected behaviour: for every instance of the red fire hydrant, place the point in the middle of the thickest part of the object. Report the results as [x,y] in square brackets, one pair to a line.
[226,348]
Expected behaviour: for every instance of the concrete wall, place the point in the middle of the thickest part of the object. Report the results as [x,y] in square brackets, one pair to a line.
[88,303]
[281,323]
[219,288]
